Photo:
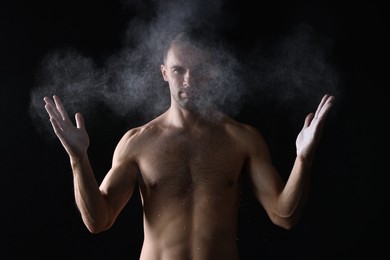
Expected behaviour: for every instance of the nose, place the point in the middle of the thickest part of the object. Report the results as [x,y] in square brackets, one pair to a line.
[187,79]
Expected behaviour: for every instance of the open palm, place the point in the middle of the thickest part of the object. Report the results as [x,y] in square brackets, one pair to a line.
[75,139]
[311,132]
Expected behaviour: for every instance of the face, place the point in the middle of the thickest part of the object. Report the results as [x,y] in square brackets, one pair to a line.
[188,73]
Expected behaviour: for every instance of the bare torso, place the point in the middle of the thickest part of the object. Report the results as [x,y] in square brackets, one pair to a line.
[190,189]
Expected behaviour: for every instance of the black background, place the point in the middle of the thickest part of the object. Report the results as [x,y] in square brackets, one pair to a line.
[346,215]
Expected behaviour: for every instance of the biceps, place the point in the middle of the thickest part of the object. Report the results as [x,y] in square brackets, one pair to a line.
[118,186]
[265,181]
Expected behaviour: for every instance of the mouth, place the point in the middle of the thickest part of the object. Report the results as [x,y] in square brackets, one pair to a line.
[187,94]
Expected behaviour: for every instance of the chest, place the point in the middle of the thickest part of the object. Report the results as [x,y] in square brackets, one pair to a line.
[179,163]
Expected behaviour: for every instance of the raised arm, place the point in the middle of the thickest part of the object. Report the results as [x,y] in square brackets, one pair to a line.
[282,201]
[99,206]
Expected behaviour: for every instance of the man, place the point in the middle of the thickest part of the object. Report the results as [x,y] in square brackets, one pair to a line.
[188,163]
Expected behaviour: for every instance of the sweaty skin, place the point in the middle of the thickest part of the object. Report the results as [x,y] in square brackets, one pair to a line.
[189,168]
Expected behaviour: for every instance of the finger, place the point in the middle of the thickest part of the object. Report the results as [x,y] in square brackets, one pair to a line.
[52,111]
[57,128]
[47,100]
[328,102]
[323,101]
[325,110]
[50,103]
[308,120]
[320,120]
[80,121]
[60,108]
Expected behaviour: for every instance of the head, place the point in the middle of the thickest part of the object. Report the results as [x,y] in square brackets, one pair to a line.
[189,70]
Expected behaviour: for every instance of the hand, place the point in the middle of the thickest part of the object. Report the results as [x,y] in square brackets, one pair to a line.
[74,139]
[311,132]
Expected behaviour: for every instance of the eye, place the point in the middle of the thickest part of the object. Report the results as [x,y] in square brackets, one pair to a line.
[203,72]
[178,70]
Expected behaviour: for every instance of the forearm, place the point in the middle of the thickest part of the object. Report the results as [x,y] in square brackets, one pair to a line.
[90,201]
[295,193]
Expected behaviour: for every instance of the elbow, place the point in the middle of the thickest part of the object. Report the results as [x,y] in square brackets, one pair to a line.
[96,227]
[287,223]
[286,219]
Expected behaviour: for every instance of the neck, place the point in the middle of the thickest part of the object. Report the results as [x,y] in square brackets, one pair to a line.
[185,118]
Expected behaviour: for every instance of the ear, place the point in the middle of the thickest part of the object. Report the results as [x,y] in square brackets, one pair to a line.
[164,72]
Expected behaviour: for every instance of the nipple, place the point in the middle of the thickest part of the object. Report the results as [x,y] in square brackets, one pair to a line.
[153,185]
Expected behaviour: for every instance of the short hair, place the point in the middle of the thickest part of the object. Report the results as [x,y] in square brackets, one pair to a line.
[195,38]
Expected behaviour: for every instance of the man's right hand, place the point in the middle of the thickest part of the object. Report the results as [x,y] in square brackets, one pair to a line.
[74,139]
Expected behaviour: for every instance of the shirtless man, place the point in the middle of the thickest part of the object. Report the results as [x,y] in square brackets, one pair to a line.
[188,163]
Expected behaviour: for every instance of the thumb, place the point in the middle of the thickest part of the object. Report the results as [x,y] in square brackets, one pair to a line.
[80,121]
[308,120]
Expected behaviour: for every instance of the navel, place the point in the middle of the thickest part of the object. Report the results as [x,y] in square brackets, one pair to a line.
[230,182]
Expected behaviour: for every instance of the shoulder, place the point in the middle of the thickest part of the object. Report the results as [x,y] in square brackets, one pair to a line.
[141,133]
[246,135]
[242,130]
[137,137]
